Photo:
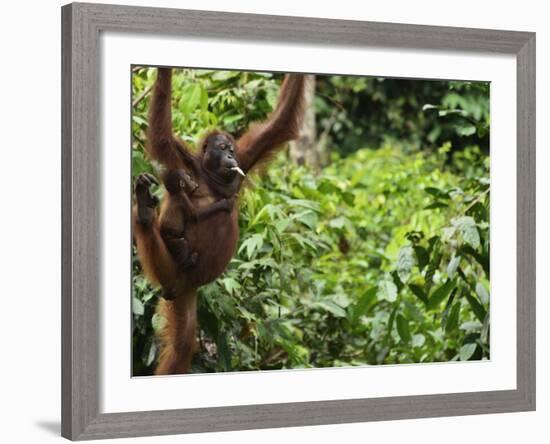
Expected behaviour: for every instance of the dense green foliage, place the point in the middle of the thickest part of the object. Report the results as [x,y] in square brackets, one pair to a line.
[381,257]
[416,114]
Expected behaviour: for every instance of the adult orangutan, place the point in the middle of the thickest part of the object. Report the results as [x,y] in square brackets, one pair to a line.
[209,228]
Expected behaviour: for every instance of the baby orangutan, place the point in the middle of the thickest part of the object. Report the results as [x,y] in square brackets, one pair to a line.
[182,212]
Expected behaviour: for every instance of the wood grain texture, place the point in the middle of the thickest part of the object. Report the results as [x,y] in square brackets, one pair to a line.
[526,221]
[81,231]
[80,221]
[331,32]
[119,425]
[66,224]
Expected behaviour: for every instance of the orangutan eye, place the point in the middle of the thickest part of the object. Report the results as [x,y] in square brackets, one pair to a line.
[222,146]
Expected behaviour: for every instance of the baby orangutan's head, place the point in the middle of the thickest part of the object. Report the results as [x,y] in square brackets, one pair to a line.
[177,181]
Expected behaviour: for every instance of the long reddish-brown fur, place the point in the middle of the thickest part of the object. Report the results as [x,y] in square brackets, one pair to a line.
[178,334]
[262,139]
[214,239]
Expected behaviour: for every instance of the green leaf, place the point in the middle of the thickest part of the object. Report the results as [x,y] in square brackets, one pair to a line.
[282,225]
[446,112]
[337,222]
[482,259]
[224,354]
[331,307]
[151,354]
[253,244]
[208,321]
[448,233]
[479,212]
[468,230]
[228,120]
[267,213]
[304,203]
[430,273]
[471,326]
[422,256]
[304,241]
[375,261]
[477,308]
[437,193]
[362,305]
[418,340]
[397,281]
[227,304]
[403,328]
[158,322]
[440,294]
[230,285]
[435,205]
[204,100]
[224,75]
[405,263]
[428,106]
[137,307]
[484,335]
[419,293]
[466,130]
[452,266]
[452,319]
[387,290]
[414,236]
[190,98]
[139,120]
[467,351]
[482,293]
[308,218]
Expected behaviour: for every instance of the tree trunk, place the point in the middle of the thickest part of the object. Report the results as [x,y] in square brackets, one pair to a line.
[304,151]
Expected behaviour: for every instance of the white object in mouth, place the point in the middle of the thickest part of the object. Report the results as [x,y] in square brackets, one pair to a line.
[238,170]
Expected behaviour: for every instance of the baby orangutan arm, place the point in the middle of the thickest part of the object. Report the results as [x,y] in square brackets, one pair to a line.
[194,214]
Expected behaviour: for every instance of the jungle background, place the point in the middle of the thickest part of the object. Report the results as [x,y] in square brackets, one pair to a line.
[365,242]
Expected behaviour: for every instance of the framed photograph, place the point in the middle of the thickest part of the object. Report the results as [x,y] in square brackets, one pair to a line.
[278,221]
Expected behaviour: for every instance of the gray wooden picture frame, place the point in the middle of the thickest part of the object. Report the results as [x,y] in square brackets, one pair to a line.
[81,231]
